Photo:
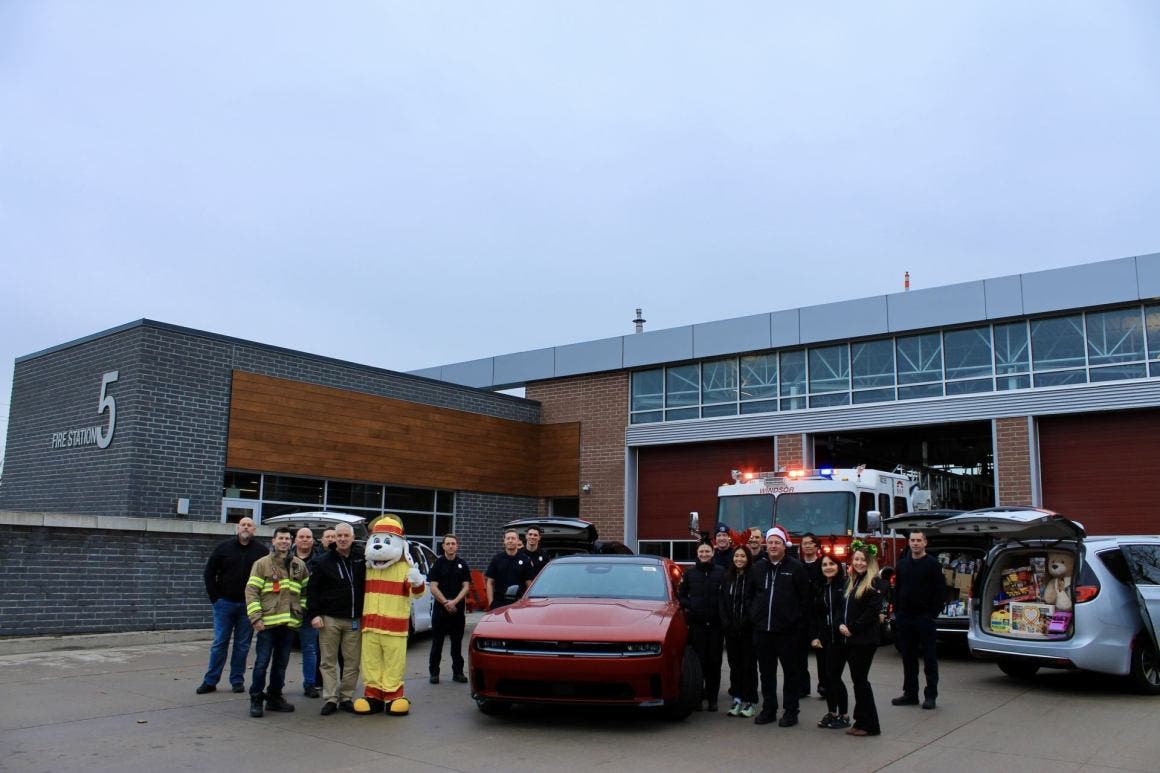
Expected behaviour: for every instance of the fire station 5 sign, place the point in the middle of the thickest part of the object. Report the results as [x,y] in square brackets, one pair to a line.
[97,435]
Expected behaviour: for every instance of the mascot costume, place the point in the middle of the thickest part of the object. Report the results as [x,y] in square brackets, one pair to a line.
[393,582]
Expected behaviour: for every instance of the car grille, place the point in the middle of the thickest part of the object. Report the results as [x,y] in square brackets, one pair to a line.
[569,649]
[594,691]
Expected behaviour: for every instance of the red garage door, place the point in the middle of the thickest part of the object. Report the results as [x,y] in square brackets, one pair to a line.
[672,481]
[1103,469]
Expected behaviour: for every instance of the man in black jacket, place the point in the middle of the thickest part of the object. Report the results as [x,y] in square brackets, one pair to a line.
[334,600]
[700,597]
[919,590]
[450,582]
[779,608]
[226,574]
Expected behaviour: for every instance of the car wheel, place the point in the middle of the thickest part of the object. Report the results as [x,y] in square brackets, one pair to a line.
[493,708]
[1018,669]
[1145,671]
[689,692]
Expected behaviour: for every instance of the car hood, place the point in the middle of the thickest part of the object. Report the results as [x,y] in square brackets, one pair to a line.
[577,618]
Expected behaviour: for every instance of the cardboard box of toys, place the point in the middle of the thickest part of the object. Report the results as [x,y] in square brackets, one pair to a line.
[1030,619]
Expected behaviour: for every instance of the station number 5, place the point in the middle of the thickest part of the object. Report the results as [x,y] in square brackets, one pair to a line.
[107,402]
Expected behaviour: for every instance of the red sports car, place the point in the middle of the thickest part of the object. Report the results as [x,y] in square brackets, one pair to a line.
[593,629]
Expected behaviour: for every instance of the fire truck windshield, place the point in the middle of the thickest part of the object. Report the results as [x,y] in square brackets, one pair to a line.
[819,512]
[741,512]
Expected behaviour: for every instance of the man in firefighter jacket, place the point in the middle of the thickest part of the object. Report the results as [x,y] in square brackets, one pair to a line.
[273,605]
[392,584]
[779,608]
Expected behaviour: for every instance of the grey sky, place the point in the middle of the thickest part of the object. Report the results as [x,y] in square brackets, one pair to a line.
[410,184]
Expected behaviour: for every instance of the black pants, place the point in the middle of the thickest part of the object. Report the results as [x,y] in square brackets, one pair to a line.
[819,666]
[742,666]
[833,663]
[784,649]
[444,624]
[865,712]
[706,641]
[916,636]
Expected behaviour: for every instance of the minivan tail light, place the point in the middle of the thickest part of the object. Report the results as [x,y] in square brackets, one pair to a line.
[1086,593]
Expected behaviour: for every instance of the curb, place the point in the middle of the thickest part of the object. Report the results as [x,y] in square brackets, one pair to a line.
[94,641]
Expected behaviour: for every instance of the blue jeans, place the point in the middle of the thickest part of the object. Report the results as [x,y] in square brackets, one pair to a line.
[229,619]
[308,641]
[272,651]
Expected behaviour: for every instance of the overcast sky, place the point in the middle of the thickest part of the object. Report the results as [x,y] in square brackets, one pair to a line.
[412,184]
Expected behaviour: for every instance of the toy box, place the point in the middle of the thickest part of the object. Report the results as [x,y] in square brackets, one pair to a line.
[1001,621]
[1019,584]
[1030,619]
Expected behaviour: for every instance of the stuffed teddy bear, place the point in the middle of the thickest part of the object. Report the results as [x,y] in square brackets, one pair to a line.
[393,583]
[1057,590]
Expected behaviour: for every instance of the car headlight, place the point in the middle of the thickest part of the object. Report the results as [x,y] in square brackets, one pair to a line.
[491,645]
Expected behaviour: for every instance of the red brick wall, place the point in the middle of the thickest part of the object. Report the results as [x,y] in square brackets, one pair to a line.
[1013,461]
[789,451]
[600,404]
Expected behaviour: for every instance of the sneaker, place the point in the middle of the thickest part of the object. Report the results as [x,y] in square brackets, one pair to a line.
[310,691]
[238,688]
[787,720]
[347,706]
[734,710]
[765,717]
[278,703]
[826,720]
[203,688]
[459,678]
[329,708]
[904,700]
[748,710]
[839,723]
[928,703]
[256,705]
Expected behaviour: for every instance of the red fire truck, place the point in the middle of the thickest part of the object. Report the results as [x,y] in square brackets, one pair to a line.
[837,505]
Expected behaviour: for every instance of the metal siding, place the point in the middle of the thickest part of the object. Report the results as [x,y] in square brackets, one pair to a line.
[436,372]
[936,306]
[785,328]
[1093,284]
[536,365]
[659,346]
[729,336]
[1100,469]
[474,373]
[589,357]
[1148,275]
[1061,400]
[847,319]
[1004,297]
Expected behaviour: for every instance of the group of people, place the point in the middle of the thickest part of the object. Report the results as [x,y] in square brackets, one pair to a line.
[765,610]
[293,589]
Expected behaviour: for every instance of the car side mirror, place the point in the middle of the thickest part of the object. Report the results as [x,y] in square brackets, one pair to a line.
[695,524]
[874,521]
[512,592]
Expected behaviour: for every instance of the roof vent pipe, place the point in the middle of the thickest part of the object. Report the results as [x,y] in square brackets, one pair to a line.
[639,322]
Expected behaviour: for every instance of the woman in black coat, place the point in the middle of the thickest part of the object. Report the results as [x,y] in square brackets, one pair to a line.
[700,597]
[739,635]
[862,605]
[829,607]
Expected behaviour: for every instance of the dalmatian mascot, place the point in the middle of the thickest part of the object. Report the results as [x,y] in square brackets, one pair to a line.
[393,583]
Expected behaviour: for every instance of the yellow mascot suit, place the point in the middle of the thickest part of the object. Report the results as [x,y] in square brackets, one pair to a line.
[393,582]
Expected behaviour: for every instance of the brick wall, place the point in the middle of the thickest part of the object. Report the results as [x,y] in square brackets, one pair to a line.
[789,451]
[172,401]
[479,521]
[1013,461]
[600,403]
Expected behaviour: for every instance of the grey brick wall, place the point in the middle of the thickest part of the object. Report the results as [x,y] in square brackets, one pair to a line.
[66,581]
[172,417]
[480,518]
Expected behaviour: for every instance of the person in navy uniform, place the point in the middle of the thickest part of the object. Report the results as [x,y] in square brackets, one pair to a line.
[536,557]
[450,582]
[508,568]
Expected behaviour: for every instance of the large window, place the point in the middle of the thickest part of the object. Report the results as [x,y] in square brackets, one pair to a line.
[1097,346]
[427,514]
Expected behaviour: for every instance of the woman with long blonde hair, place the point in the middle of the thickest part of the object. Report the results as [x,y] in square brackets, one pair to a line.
[861,606]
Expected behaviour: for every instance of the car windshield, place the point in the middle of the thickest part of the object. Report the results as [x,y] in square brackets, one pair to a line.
[821,512]
[601,580]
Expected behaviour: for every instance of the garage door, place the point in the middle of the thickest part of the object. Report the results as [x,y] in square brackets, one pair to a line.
[674,480]
[1103,469]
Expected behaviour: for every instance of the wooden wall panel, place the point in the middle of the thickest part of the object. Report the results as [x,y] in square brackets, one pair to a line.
[305,429]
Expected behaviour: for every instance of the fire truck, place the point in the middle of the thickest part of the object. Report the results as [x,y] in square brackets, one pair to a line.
[837,505]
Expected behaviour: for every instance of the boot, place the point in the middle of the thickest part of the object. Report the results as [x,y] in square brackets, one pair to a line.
[256,705]
[277,703]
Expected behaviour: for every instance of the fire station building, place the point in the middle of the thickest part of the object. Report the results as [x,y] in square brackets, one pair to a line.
[131,452]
